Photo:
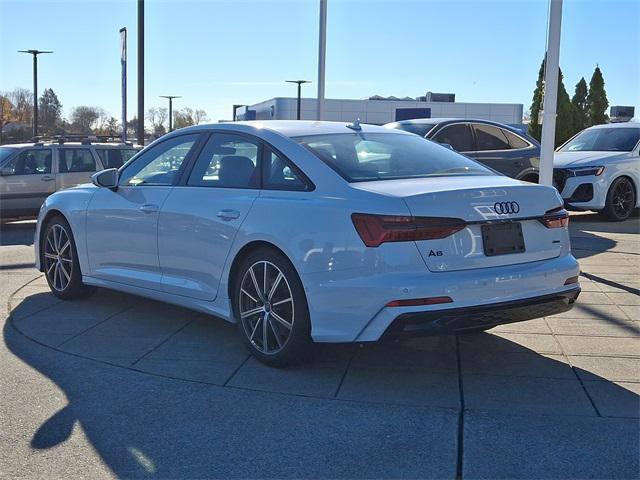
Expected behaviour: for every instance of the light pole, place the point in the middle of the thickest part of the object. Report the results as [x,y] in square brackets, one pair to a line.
[35,54]
[299,82]
[322,54]
[141,72]
[170,97]
[550,98]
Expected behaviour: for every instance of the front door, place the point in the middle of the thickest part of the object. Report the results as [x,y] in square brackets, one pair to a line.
[122,224]
[26,181]
[199,221]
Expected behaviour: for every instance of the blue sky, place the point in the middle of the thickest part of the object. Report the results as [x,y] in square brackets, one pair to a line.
[216,53]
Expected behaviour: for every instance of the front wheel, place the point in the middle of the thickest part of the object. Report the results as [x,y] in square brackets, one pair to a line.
[621,200]
[271,309]
[60,261]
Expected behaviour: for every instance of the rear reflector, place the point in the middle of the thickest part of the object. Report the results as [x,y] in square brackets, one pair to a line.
[571,280]
[556,218]
[375,230]
[418,302]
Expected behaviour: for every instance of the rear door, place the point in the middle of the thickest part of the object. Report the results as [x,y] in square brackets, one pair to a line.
[494,150]
[75,166]
[201,216]
[26,181]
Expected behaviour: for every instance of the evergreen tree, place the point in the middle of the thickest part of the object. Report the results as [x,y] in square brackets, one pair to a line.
[565,127]
[597,99]
[535,128]
[50,109]
[581,109]
[564,121]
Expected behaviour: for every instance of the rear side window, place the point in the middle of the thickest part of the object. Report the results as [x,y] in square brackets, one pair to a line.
[361,157]
[115,157]
[280,174]
[29,162]
[457,135]
[515,141]
[227,161]
[73,160]
[491,138]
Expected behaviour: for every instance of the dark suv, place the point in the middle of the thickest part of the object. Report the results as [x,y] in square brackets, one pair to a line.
[499,146]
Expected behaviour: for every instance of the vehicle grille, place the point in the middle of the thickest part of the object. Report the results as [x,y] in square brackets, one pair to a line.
[560,176]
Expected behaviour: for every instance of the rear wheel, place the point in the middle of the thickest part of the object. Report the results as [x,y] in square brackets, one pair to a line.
[621,200]
[60,261]
[271,309]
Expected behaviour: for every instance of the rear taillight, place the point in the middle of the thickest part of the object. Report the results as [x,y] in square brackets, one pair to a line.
[375,230]
[556,218]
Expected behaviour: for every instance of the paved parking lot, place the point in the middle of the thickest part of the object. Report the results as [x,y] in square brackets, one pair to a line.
[115,385]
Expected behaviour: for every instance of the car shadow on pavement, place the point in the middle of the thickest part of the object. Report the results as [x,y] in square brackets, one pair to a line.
[17,233]
[385,402]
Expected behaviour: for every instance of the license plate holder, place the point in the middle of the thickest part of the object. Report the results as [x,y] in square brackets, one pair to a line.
[502,238]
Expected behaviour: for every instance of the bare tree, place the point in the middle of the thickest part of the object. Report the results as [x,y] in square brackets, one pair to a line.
[84,117]
[157,116]
[22,100]
[200,116]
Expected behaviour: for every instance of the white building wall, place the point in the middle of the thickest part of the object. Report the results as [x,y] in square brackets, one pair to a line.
[383,111]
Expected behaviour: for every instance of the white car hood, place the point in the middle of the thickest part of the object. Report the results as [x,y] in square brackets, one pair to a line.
[586,159]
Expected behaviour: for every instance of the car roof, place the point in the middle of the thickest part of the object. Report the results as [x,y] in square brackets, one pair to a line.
[291,128]
[69,144]
[617,125]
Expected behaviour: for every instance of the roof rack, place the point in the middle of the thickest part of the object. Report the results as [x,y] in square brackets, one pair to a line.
[83,138]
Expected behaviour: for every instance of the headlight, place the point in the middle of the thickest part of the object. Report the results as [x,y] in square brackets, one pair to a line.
[584,171]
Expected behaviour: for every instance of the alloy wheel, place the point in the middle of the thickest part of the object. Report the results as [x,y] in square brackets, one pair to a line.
[623,198]
[266,307]
[58,259]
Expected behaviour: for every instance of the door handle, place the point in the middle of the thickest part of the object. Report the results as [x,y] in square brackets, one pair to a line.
[149,208]
[47,178]
[228,214]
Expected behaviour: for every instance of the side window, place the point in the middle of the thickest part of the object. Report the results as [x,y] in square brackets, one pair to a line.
[491,138]
[73,160]
[29,162]
[280,174]
[160,164]
[515,141]
[115,157]
[457,135]
[227,161]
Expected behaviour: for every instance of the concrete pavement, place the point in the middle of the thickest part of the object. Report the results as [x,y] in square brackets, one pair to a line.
[115,385]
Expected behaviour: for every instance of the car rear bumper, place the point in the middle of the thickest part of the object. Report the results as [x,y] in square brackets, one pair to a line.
[484,316]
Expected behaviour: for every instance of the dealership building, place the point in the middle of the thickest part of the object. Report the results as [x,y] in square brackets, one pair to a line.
[380,110]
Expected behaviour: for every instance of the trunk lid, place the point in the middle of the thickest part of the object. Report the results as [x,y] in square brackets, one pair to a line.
[479,201]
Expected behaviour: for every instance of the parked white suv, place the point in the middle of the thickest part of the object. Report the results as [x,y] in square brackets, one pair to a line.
[30,172]
[599,169]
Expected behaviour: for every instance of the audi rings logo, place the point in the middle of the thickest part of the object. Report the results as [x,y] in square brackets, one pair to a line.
[505,208]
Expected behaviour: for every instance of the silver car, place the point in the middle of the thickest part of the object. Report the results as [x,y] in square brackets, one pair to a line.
[30,172]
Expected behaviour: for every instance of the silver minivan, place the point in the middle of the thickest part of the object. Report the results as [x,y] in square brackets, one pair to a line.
[31,172]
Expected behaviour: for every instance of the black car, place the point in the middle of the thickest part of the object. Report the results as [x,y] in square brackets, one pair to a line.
[501,147]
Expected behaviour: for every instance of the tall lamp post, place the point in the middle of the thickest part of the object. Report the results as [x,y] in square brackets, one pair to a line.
[35,54]
[299,82]
[140,72]
[170,97]
[322,56]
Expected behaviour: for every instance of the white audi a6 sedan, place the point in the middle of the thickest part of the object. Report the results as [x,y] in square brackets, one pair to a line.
[307,232]
[599,169]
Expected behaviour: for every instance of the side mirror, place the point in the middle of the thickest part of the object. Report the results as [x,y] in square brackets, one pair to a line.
[106,178]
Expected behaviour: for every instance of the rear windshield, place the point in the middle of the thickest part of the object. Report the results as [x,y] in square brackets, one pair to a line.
[418,128]
[603,140]
[362,157]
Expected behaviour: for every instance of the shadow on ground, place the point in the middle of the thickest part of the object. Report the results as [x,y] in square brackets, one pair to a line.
[17,233]
[379,410]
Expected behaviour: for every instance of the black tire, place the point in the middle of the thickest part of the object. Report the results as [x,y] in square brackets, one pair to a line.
[621,200]
[284,345]
[62,273]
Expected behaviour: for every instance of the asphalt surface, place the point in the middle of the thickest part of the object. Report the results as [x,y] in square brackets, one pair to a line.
[117,386]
